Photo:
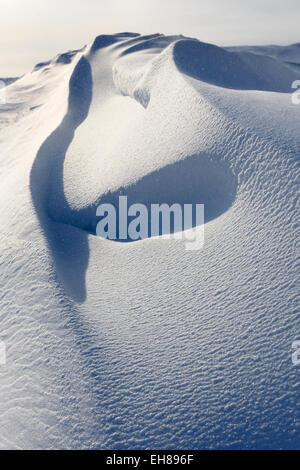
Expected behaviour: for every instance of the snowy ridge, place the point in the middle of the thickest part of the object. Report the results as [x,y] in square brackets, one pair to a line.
[145,345]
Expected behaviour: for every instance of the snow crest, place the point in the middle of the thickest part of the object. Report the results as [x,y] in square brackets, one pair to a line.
[147,345]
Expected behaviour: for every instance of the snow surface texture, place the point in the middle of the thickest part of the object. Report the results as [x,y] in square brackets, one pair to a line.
[145,344]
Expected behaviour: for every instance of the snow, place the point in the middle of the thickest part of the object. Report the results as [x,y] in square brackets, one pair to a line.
[144,344]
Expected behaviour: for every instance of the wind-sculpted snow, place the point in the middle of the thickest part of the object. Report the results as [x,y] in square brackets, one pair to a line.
[189,181]
[147,345]
[237,70]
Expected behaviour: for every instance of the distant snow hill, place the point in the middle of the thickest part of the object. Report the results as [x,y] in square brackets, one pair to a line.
[9,80]
[145,344]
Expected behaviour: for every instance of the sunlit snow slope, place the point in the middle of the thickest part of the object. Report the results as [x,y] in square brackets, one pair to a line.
[145,344]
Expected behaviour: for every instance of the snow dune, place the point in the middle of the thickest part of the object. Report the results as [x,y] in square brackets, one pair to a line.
[146,345]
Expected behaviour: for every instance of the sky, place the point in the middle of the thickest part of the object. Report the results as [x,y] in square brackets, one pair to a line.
[33,31]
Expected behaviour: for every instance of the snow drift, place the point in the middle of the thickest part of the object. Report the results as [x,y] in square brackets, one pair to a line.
[146,345]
